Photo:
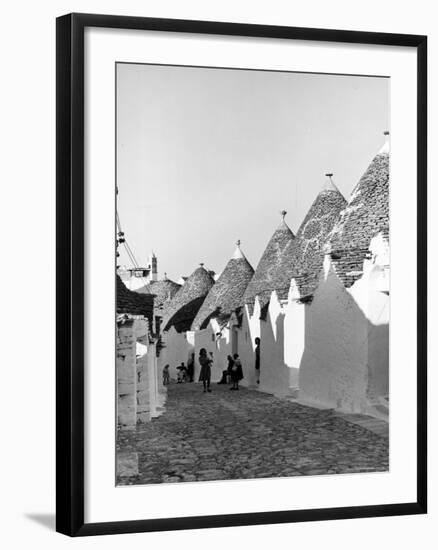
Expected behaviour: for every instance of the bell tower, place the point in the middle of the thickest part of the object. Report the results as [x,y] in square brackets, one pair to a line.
[153,265]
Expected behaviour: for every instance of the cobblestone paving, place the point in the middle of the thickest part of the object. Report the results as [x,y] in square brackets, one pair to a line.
[246,434]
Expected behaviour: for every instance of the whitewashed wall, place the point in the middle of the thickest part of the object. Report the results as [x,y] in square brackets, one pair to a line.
[157,392]
[332,370]
[177,350]
[247,333]
[274,373]
[126,377]
[371,293]
[346,357]
[294,339]
[140,395]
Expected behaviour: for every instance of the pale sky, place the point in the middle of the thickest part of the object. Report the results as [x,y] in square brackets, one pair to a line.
[209,156]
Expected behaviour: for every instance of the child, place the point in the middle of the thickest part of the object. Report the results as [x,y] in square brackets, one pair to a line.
[182,373]
[236,372]
[166,375]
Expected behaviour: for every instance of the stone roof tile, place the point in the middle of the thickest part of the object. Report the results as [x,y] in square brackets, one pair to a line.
[163,291]
[366,215]
[130,302]
[267,277]
[227,293]
[185,304]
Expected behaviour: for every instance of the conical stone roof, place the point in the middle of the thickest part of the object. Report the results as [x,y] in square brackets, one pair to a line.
[133,303]
[227,293]
[366,215]
[181,311]
[303,259]
[163,290]
[267,277]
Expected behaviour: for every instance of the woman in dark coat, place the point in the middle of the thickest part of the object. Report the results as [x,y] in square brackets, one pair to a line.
[236,372]
[205,374]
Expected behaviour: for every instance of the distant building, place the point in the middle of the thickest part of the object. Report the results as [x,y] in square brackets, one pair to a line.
[137,277]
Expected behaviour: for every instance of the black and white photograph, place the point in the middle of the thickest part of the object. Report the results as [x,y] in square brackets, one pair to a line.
[216,275]
[252,274]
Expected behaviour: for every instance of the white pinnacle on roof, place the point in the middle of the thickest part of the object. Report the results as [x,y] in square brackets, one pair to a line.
[328,184]
[283,224]
[385,146]
[238,254]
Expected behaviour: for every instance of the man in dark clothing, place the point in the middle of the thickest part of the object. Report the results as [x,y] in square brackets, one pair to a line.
[191,367]
[226,374]
[257,359]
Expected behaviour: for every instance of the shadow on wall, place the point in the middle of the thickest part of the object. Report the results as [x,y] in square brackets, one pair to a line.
[275,374]
[345,363]
[247,333]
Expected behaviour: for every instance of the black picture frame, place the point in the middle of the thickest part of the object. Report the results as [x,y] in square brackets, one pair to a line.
[70,272]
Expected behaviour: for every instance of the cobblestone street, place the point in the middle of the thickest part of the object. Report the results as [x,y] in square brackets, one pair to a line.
[245,434]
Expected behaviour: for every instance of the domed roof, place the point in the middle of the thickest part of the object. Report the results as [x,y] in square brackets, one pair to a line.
[227,293]
[128,301]
[163,290]
[303,259]
[366,215]
[182,309]
[267,277]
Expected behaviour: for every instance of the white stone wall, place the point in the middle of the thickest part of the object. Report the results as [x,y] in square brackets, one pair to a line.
[345,363]
[140,396]
[247,333]
[126,377]
[177,350]
[333,367]
[157,392]
[295,336]
[275,374]
[371,293]
[143,401]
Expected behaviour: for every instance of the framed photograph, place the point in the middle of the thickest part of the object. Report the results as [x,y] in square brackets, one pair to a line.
[241,274]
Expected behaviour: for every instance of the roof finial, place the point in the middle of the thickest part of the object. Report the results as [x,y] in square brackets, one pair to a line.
[385,147]
[328,184]
[283,214]
[165,276]
[238,253]
[201,264]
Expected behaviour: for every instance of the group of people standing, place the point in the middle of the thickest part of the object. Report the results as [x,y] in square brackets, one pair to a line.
[233,372]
